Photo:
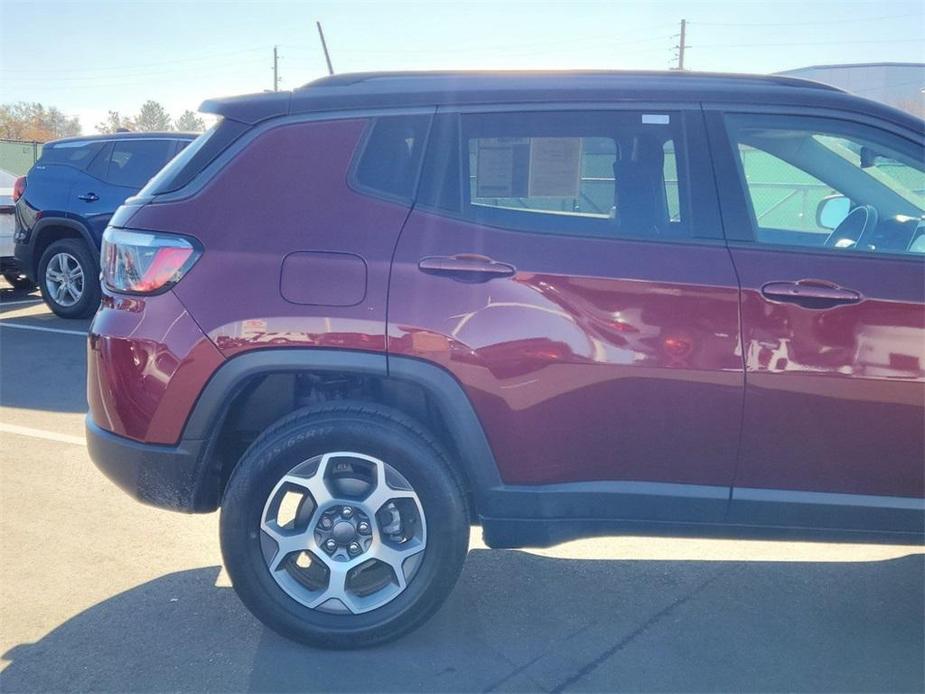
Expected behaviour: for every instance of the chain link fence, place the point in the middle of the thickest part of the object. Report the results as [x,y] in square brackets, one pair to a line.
[18,156]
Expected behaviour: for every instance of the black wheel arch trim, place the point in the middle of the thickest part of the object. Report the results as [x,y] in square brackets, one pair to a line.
[468,437]
[47,222]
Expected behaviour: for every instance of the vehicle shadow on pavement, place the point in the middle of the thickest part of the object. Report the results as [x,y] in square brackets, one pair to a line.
[7,293]
[519,622]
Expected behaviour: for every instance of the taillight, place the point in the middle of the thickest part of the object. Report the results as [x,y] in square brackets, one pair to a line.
[19,187]
[142,262]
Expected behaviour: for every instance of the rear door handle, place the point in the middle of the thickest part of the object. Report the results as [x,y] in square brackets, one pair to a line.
[88,197]
[466,267]
[810,293]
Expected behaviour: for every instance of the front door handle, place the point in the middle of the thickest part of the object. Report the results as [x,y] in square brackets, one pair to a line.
[466,267]
[810,293]
[88,197]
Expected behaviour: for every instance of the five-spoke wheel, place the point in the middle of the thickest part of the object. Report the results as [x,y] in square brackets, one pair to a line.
[344,525]
[64,279]
[343,532]
[68,278]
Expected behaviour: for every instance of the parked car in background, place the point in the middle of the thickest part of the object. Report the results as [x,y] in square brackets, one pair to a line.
[67,199]
[9,184]
[363,315]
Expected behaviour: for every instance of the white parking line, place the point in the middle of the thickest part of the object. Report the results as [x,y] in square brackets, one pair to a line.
[7,324]
[41,434]
[20,303]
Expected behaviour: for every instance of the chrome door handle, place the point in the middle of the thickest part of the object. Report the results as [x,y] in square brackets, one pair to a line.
[88,197]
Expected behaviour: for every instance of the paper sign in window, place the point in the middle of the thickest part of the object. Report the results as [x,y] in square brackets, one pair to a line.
[555,167]
[503,167]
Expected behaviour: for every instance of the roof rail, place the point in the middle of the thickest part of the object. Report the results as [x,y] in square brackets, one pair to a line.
[355,78]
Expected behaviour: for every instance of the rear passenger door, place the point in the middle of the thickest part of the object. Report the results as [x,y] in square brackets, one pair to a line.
[116,173]
[568,267]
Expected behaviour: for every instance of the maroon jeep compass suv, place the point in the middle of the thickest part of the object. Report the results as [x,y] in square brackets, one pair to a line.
[366,314]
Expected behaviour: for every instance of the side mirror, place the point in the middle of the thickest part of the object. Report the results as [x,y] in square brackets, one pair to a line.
[868,157]
[832,210]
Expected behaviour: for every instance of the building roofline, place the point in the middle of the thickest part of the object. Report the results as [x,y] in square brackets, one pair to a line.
[846,66]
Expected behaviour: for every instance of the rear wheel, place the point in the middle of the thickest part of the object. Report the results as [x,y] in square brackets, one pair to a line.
[344,526]
[68,278]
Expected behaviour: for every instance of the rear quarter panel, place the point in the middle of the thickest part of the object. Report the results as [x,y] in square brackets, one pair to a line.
[286,192]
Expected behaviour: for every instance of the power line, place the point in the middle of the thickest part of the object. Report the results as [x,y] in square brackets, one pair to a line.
[170,73]
[584,40]
[177,61]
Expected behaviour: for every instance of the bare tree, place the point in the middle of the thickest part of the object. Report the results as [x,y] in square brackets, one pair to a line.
[114,123]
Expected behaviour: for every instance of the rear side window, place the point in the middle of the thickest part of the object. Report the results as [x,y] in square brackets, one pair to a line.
[392,155]
[133,162]
[75,154]
[194,158]
[584,173]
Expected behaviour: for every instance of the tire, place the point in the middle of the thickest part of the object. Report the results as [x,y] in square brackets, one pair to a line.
[18,281]
[82,297]
[367,433]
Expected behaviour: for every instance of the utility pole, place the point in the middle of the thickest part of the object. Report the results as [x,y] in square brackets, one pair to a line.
[324,47]
[275,70]
[682,45]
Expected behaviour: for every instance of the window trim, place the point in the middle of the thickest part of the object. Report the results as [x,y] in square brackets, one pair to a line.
[737,212]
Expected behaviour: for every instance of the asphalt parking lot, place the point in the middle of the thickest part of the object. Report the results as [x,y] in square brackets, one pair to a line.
[100,593]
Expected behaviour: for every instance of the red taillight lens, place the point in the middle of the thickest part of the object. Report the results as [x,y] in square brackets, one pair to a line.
[19,187]
[141,262]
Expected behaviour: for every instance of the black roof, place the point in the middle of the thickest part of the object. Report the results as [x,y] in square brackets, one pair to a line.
[127,136]
[367,90]
[463,80]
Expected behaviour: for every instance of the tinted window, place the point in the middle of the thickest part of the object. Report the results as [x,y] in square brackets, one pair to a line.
[392,155]
[830,184]
[133,162]
[193,157]
[592,173]
[76,154]
[782,196]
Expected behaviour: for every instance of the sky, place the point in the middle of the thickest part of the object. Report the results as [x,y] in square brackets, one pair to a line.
[88,57]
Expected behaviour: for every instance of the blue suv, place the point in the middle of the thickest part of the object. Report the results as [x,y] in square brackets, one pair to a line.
[70,194]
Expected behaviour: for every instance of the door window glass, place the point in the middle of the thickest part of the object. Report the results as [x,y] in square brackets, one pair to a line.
[592,173]
[133,162]
[831,184]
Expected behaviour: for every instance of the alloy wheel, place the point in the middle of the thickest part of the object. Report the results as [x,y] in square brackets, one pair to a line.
[64,279]
[343,533]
